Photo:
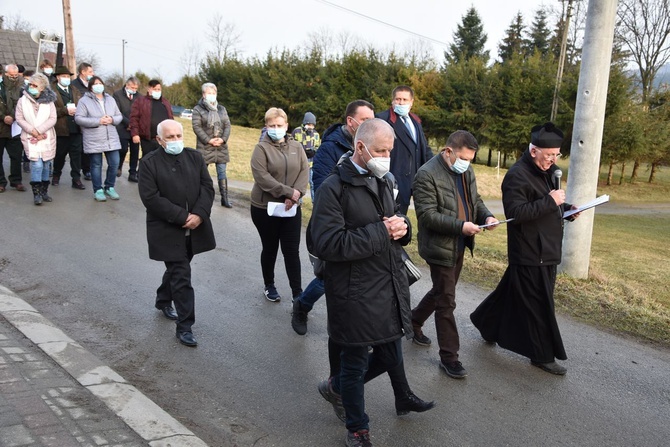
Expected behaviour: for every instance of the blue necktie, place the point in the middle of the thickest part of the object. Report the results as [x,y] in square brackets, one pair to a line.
[410,127]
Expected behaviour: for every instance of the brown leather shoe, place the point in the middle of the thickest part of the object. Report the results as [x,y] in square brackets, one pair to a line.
[77,184]
[19,187]
[2,189]
[55,180]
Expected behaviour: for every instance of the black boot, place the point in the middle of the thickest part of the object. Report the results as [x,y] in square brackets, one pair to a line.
[37,192]
[44,192]
[223,189]
[299,318]
[410,402]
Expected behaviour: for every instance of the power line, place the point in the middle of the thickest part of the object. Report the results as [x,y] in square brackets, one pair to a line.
[367,17]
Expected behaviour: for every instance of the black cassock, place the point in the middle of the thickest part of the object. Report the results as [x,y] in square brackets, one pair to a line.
[519,314]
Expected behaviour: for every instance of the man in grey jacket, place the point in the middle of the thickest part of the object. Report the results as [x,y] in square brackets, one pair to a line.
[449,210]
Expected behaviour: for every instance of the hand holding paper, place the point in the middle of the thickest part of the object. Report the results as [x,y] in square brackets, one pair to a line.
[278,209]
[592,204]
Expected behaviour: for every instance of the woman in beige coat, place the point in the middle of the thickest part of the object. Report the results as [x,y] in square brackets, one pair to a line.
[36,115]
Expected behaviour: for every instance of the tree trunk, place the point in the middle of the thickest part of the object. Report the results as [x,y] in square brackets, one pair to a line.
[633,175]
[488,163]
[504,164]
[609,173]
[654,169]
[623,168]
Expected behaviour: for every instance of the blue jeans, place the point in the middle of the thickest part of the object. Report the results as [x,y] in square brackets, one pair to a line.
[358,367]
[311,183]
[312,293]
[221,171]
[96,169]
[39,170]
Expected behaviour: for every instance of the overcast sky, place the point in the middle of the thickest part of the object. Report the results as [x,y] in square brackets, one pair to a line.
[159,36]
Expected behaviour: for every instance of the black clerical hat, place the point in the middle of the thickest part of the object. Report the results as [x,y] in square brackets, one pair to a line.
[546,136]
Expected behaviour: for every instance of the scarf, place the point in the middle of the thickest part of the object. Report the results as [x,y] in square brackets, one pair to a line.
[213,118]
[35,119]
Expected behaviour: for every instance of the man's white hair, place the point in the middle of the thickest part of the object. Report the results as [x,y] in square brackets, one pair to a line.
[161,125]
[369,129]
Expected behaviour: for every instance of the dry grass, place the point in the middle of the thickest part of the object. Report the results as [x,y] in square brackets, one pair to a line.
[629,287]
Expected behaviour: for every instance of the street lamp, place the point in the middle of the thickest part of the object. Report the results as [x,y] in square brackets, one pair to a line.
[40,36]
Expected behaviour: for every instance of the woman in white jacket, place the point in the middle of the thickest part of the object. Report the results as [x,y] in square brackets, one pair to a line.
[98,115]
[36,115]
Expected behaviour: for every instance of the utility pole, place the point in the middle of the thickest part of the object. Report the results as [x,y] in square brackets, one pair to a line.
[123,58]
[69,36]
[587,133]
[561,60]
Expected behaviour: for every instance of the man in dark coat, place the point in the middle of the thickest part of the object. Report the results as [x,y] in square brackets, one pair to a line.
[124,98]
[519,314]
[147,111]
[357,232]
[68,134]
[84,74]
[411,148]
[449,211]
[178,193]
[10,92]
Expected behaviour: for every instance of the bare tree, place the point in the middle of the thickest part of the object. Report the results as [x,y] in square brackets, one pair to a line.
[321,42]
[224,36]
[644,29]
[349,42]
[419,53]
[14,22]
[191,58]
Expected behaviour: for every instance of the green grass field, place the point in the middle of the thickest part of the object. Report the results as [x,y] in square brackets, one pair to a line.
[628,288]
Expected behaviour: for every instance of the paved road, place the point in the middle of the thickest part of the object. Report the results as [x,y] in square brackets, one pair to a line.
[252,380]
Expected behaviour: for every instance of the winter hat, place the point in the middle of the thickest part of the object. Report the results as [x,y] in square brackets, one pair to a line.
[309,119]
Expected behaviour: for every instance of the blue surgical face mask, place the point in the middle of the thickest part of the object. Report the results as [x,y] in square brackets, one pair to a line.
[98,88]
[174,147]
[26,81]
[210,98]
[88,77]
[48,71]
[277,134]
[64,81]
[131,92]
[402,109]
[460,166]
[156,95]
[33,91]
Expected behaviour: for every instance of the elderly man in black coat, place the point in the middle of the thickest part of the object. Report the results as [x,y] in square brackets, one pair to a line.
[177,191]
[519,313]
[357,231]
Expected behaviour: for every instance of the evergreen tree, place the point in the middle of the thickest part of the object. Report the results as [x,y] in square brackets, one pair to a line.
[539,35]
[469,39]
[513,43]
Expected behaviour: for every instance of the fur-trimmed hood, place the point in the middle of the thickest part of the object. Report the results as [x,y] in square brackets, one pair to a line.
[47,96]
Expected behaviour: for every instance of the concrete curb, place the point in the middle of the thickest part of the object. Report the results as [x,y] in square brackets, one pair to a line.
[139,412]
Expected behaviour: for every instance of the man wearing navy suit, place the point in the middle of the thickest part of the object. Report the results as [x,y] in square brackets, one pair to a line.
[410,148]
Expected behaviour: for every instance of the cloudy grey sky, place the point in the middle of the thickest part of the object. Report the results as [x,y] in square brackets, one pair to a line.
[159,36]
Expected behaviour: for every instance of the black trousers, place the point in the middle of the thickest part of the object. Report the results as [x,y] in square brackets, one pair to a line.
[176,288]
[72,146]
[276,231]
[127,143]
[15,152]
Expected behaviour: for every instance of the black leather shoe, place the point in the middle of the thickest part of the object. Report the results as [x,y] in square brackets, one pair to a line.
[187,338]
[133,178]
[169,313]
[87,176]
[410,402]
[77,184]
[551,367]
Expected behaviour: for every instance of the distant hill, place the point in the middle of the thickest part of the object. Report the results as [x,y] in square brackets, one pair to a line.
[663,76]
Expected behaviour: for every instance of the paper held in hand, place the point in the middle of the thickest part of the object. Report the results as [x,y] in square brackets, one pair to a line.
[278,209]
[496,223]
[592,204]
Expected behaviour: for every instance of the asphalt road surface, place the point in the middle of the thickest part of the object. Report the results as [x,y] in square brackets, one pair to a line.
[252,381]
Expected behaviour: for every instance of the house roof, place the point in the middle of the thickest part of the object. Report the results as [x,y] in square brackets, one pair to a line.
[16,47]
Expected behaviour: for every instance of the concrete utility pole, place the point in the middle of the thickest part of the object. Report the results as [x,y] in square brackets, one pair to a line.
[587,133]
[123,58]
[69,36]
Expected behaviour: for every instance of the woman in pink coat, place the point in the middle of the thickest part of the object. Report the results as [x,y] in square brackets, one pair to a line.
[36,115]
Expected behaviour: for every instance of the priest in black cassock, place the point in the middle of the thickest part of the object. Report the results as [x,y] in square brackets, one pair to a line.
[519,313]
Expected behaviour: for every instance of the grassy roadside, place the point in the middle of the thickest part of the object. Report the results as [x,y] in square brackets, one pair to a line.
[628,289]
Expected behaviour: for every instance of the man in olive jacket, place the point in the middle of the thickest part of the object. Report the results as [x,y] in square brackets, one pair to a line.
[448,209]
[358,233]
[178,193]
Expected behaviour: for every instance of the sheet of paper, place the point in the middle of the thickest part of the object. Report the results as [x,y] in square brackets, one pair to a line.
[16,129]
[592,204]
[497,223]
[278,209]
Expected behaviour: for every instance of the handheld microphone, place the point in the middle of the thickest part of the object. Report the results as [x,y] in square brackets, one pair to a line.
[558,174]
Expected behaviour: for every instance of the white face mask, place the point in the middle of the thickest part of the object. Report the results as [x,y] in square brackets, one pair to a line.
[379,166]
[460,165]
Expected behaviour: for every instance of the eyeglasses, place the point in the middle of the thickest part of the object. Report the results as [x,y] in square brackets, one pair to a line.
[550,156]
[33,85]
